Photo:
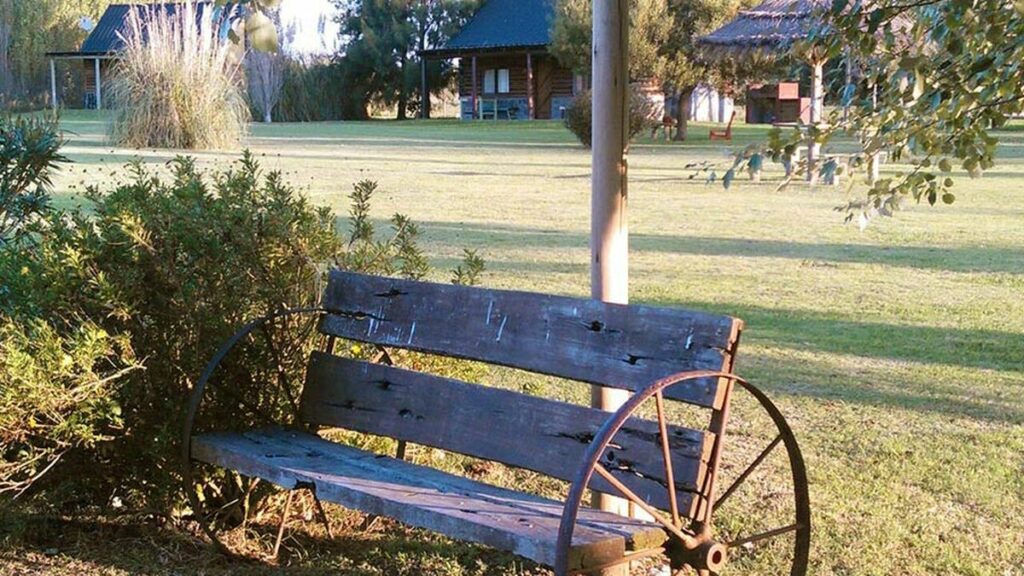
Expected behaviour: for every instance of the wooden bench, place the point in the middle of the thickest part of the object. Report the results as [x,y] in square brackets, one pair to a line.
[665,470]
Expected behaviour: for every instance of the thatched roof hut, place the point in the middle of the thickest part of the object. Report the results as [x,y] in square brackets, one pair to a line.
[771,26]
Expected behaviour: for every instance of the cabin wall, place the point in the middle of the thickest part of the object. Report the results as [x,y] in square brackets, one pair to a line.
[553,86]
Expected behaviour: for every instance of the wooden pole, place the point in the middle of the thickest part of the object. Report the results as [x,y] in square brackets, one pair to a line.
[99,87]
[53,84]
[609,228]
[473,103]
[529,86]
[817,108]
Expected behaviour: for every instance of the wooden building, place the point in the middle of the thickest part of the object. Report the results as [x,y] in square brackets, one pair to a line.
[505,68]
[780,103]
[105,42]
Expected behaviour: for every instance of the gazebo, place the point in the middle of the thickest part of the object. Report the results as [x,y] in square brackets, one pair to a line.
[774,27]
[105,42]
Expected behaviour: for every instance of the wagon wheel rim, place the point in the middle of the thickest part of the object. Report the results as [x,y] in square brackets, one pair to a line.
[691,543]
[800,527]
[209,518]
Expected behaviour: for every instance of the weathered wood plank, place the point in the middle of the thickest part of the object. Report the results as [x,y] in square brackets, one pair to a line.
[521,523]
[498,425]
[606,344]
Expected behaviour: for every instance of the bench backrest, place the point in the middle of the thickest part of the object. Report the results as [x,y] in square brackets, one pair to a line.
[610,345]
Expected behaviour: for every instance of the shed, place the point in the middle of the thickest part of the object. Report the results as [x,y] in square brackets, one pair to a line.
[773,27]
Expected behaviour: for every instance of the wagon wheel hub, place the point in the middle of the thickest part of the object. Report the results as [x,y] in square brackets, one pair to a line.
[702,553]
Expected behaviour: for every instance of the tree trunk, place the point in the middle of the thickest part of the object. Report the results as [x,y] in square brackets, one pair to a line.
[403,95]
[425,90]
[267,117]
[683,113]
[424,85]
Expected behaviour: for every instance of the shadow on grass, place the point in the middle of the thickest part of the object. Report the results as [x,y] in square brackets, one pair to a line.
[62,546]
[801,330]
[996,259]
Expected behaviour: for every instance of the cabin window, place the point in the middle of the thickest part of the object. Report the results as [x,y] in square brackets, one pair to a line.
[503,81]
[496,81]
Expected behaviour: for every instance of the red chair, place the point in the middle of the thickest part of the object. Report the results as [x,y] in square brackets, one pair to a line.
[727,134]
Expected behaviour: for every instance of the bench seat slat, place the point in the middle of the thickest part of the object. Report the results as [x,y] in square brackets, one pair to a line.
[524,431]
[424,497]
[606,344]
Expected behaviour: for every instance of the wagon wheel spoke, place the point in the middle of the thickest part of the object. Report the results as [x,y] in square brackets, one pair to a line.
[667,455]
[632,497]
[764,535]
[282,375]
[742,477]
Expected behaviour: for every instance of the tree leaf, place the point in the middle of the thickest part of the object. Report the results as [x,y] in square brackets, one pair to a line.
[262,32]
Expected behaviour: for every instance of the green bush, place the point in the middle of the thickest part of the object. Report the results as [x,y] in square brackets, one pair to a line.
[173,267]
[311,92]
[58,371]
[176,83]
[578,117]
[57,394]
[29,153]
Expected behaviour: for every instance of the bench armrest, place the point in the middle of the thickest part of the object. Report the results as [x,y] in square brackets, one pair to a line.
[199,390]
[597,448]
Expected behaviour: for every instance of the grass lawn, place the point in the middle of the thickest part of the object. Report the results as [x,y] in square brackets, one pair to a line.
[897,353]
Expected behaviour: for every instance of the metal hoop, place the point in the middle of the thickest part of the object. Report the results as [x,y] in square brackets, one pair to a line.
[198,392]
[615,422]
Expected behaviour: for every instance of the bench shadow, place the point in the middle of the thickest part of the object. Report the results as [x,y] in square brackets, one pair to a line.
[140,546]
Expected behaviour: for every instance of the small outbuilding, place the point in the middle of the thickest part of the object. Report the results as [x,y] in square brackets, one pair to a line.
[105,42]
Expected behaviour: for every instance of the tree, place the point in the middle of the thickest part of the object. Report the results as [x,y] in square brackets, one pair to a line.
[265,74]
[938,77]
[650,28]
[436,21]
[685,68]
[6,77]
[380,43]
[377,36]
[30,29]
[663,44]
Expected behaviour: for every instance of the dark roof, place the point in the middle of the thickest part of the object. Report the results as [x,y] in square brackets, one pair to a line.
[771,24]
[503,25]
[105,39]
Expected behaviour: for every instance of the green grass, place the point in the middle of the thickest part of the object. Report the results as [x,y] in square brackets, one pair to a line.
[897,353]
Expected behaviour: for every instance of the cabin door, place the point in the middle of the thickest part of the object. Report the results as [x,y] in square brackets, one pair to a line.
[542,77]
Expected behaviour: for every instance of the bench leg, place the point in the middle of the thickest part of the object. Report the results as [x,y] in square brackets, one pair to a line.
[320,511]
[284,520]
[323,516]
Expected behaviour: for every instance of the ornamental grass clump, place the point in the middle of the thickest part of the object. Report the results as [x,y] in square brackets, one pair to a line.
[178,81]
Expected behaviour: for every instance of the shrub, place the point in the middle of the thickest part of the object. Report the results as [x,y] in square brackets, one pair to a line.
[177,83]
[174,267]
[58,373]
[578,117]
[57,394]
[29,154]
[311,92]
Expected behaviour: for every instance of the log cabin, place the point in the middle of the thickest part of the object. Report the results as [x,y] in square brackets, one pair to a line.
[506,70]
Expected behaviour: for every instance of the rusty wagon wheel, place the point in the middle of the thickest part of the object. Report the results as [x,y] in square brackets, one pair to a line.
[221,500]
[697,544]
